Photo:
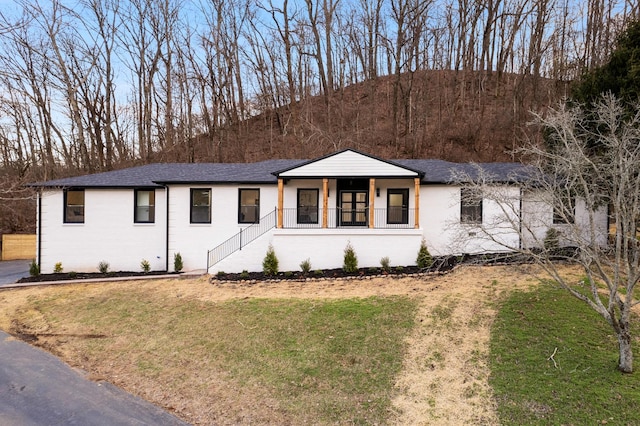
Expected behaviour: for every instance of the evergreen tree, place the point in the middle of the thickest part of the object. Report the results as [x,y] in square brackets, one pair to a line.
[620,75]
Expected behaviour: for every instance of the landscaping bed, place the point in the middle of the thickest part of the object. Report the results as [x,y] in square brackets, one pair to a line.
[63,276]
[446,264]
[440,264]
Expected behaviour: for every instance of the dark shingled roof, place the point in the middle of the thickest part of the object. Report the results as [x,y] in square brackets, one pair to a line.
[440,171]
[164,173]
[154,175]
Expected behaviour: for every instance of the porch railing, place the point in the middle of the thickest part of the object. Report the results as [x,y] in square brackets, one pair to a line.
[384,218]
[241,239]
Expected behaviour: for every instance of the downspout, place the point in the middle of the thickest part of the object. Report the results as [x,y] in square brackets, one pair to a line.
[39,224]
[520,220]
[166,236]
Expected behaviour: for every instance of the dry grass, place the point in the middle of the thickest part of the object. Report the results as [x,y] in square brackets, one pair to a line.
[443,377]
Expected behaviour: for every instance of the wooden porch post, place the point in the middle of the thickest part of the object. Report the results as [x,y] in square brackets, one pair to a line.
[417,202]
[280,201]
[325,201]
[372,196]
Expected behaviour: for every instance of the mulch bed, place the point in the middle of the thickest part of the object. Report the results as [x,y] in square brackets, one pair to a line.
[86,275]
[440,265]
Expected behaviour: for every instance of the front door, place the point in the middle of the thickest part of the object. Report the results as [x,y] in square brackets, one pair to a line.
[353,207]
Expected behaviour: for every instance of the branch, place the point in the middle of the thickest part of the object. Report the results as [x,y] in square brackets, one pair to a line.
[552,357]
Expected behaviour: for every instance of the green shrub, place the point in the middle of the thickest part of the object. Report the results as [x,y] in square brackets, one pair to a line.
[350,264]
[34,269]
[270,262]
[221,274]
[399,269]
[73,274]
[57,269]
[305,266]
[424,259]
[288,274]
[177,262]
[145,266]
[318,273]
[384,262]
[103,267]
[373,270]
[552,240]
[244,274]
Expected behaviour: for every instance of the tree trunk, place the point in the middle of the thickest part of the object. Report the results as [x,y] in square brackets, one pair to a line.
[625,361]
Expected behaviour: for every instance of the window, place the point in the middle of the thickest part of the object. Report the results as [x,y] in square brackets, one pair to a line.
[308,205]
[398,206]
[74,206]
[249,208]
[200,205]
[470,206]
[564,212]
[145,206]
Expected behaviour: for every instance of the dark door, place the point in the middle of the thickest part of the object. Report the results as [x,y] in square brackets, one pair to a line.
[398,206]
[353,207]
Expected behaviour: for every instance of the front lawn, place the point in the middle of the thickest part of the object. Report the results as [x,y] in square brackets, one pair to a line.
[553,361]
[253,360]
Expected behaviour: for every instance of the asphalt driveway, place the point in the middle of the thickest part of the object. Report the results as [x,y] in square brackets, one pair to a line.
[37,388]
[12,270]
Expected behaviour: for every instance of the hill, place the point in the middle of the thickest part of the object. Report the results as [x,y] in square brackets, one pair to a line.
[451,115]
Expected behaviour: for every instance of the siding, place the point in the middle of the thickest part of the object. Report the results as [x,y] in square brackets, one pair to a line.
[108,234]
[348,163]
[193,241]
[445,235]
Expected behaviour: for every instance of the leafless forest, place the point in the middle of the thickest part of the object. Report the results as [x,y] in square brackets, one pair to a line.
[94,85]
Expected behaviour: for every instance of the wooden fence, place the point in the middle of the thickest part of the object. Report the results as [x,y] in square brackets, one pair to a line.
[16,247]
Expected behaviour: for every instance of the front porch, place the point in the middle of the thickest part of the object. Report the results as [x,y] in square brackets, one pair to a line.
[378,218]
[324,248]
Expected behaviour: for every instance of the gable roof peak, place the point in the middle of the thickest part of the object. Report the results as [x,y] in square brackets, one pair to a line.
[348,163]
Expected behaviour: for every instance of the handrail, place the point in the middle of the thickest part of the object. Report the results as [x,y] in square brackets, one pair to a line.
[241,239]
[383,218]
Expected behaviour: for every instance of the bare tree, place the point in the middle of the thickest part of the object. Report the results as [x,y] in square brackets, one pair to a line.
[563,206]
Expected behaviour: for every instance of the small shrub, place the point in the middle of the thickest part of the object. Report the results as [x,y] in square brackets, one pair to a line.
[373,271]
[177,262]
[73,274]
[57,269]
[221,274]
[399,269]
[424,259]
[244,274]
[145,266]
[552,240]
[34,268]
[384,262]
[350,264]
[270,262]
[318,273]
[305,266]
[288,274]
[103,267]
